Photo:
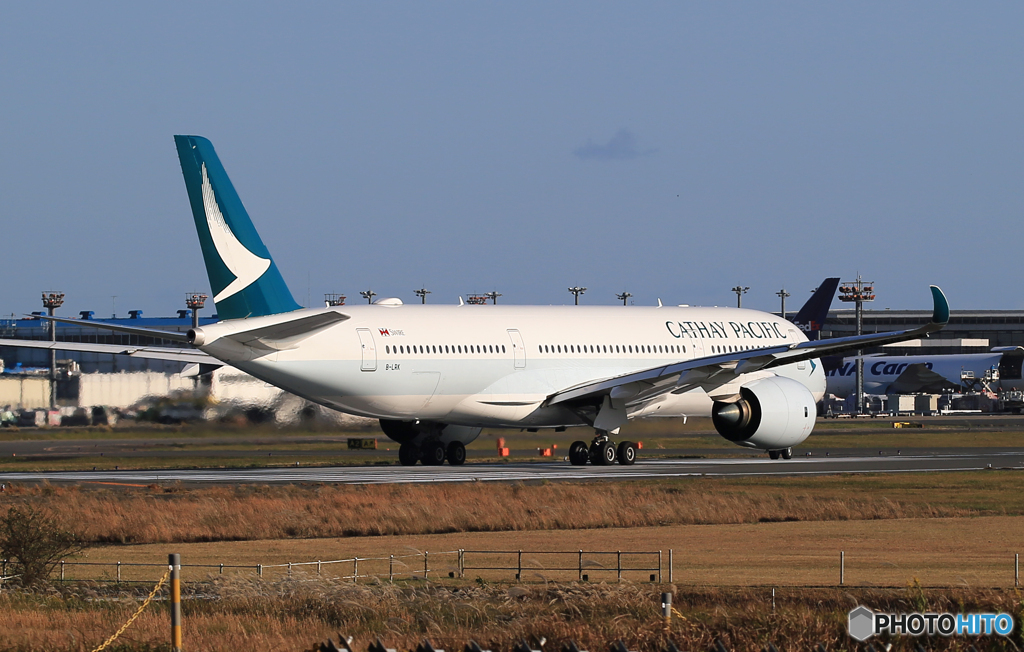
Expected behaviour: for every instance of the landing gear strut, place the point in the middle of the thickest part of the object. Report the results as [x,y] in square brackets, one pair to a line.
[602,452]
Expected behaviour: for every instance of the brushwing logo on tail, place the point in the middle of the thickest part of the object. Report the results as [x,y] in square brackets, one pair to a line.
[246,266]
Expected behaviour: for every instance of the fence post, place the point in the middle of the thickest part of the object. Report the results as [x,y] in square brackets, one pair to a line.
[425,568]
[259,570]
[666,608]
[659,567]
[391,569]
[61,570]
[842,567]
[1016,569]
[355,569]
[581,565]
[222,569]
[519,568]
[174,563]
[618,565]
[118,572]
[4,571]
[671,567]
[317,566]
[289,568]
[462,563]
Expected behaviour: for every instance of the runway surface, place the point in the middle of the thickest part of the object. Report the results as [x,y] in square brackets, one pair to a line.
[971,460]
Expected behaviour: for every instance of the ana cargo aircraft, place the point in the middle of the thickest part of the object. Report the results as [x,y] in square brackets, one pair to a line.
[912,374]
[436,375]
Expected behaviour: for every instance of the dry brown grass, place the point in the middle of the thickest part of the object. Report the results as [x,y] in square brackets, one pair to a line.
[293,615]
[173,514]
[939,552]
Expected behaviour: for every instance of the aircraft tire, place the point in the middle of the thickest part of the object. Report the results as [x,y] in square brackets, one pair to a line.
[626,454]
[606,453]
[408,454]
[787,453]
[578,453]
[773,455]
[456,453]
[433,453]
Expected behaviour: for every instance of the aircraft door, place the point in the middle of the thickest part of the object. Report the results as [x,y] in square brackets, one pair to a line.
[518,348]
[696,345]
[369,352]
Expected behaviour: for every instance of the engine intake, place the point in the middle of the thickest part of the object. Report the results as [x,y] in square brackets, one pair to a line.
[772,413]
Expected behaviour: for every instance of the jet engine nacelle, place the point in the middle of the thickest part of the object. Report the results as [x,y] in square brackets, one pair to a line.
[772,414]
[409,432]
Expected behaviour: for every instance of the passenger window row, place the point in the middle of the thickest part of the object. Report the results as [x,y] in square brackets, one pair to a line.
[611,348]
[445,349]
[719,348]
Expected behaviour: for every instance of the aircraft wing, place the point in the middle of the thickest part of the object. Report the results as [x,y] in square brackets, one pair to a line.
[919,378]
[189,355]
[719,374]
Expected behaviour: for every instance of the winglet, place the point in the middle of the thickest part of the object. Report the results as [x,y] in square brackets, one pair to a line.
[940,313]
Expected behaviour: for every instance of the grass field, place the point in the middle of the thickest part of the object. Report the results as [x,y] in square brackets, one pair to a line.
[940,540]
[939,552]
[290,614]
[132,446]
[172,514]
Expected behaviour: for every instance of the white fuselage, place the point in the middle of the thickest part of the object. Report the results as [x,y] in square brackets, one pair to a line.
[496,365]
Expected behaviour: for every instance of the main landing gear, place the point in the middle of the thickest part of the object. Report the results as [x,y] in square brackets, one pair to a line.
[785,453]
[602,452]
[432,453]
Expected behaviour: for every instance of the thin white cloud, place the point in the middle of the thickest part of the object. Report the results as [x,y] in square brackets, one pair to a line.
[623,146]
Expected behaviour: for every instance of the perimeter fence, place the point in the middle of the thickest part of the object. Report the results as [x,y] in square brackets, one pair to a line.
[826,569]
[518,565]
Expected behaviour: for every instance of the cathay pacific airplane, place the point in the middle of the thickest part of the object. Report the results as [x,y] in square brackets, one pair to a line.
[436,375]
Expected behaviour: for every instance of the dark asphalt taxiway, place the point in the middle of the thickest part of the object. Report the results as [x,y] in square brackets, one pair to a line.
[965,460]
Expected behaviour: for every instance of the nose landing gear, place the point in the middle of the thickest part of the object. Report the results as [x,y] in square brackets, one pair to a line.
[602,452]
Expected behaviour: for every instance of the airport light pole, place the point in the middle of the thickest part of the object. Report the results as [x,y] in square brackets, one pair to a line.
[740,290]
[51,301]
[782,294]
[493,296]
[422,294]
[858,292]
[623,297]
[195,302]
[576,292]
[368,295]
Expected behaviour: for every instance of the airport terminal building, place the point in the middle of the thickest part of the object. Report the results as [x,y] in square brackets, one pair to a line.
[968,331]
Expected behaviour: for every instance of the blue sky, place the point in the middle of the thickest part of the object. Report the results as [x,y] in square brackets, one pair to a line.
[672,150]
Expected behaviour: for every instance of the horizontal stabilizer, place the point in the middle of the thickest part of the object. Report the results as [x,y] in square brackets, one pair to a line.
[147,352]
[173,336]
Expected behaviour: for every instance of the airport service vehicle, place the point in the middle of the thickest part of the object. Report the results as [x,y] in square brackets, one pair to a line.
[435,375]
